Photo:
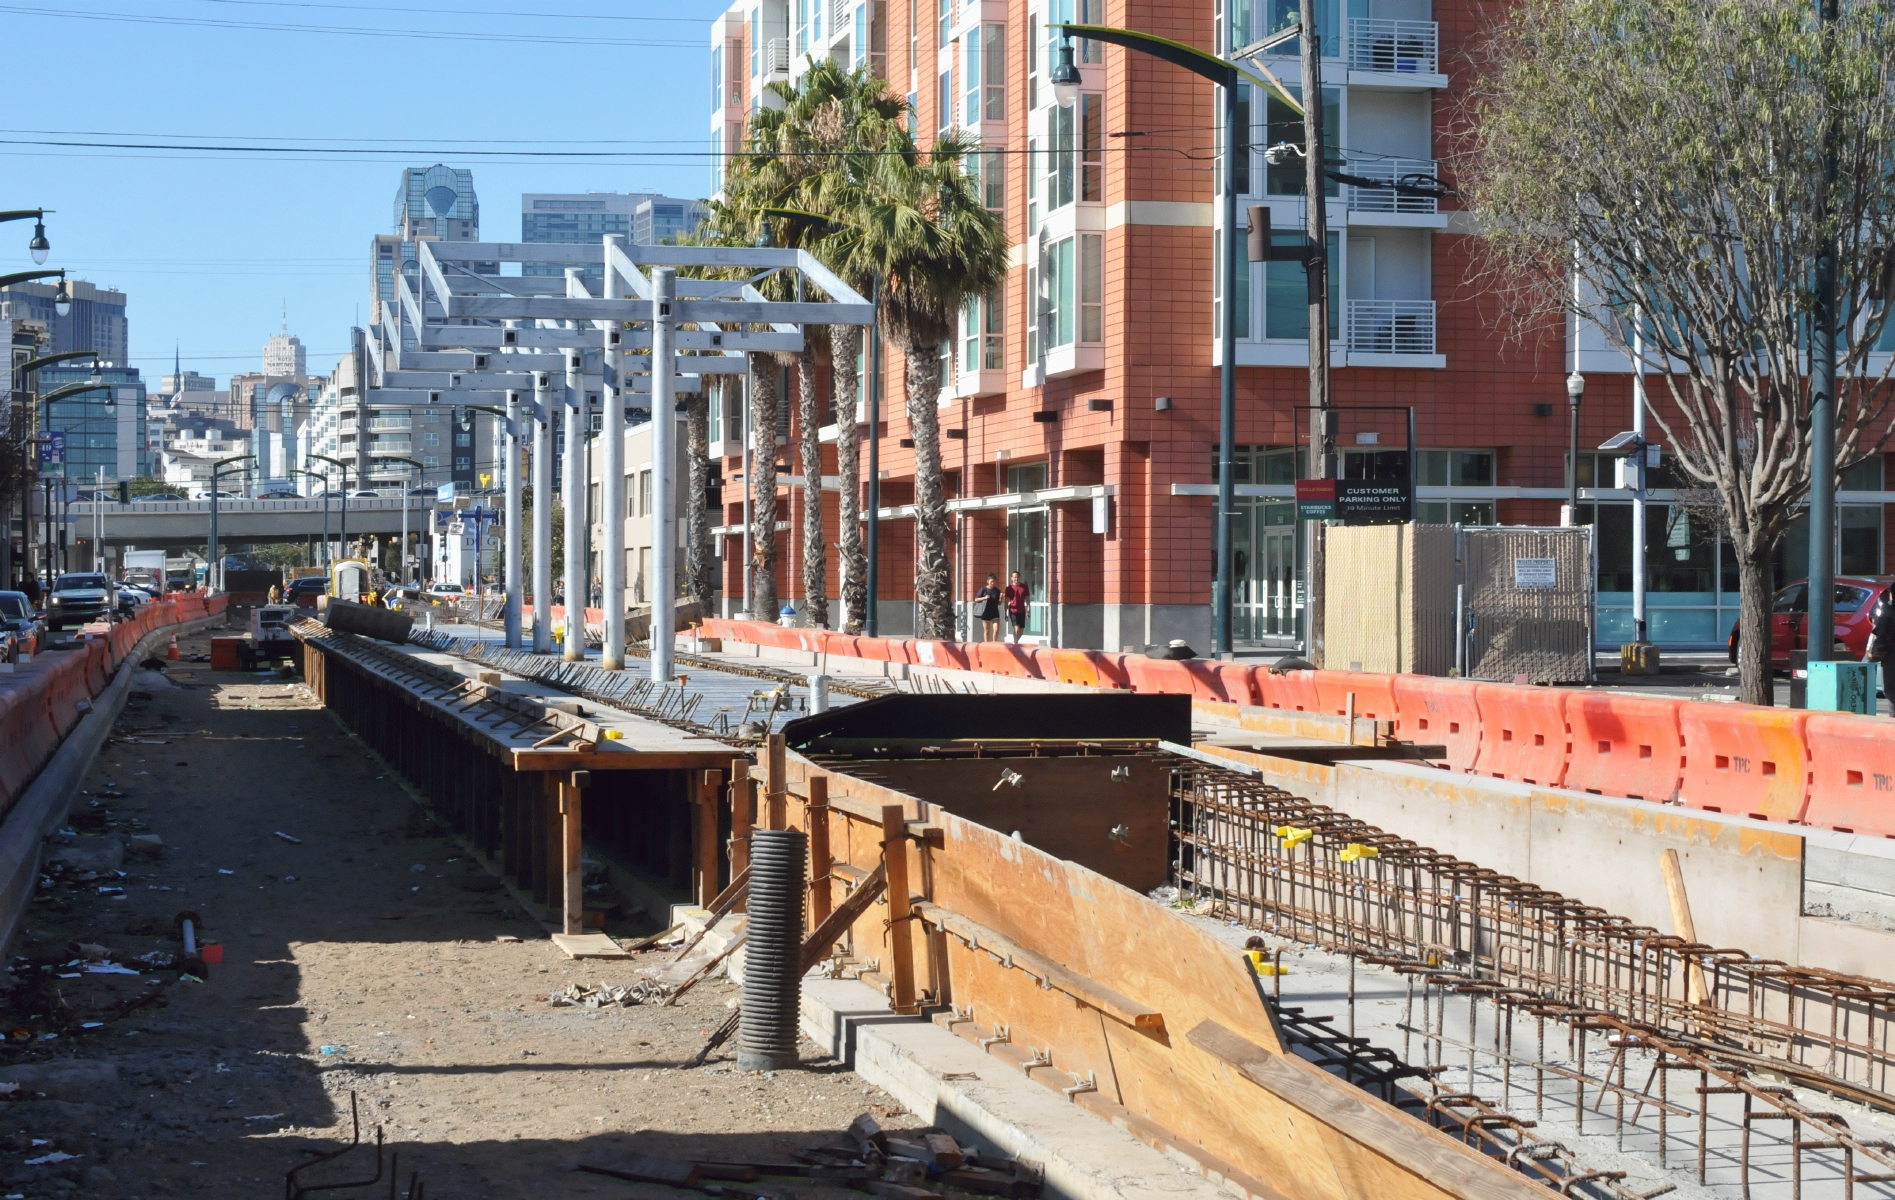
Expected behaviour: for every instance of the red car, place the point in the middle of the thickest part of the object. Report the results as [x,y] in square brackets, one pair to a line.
[1857,598]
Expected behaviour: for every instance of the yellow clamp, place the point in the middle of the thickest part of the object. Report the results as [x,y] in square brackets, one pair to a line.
[1261,964]
[1356,850]
[1293,836]
[613,735]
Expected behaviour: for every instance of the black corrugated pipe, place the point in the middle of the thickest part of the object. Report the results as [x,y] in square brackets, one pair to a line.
[773,982]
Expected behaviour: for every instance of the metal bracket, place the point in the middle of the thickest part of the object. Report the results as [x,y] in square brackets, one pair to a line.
[1041,1058]
[1089,1084]
[1003,1035]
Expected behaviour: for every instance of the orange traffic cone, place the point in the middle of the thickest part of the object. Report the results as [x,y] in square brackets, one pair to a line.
[173,653]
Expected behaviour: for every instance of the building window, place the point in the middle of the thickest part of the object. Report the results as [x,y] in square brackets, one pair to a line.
[970,77]
[946,21]
[717,79]
[983,324]
[1284,124]
[1241,165]
[993,72]
[463,439]
[463,464]
[1032,63]
[1059,157]
[644,492]
[945,101]
[1286,291]
[1032,186]
[989,169]
[1072,290]
[1455,468]
[430,439]
[1092,147]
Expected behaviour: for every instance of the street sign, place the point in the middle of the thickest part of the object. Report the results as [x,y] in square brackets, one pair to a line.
[1315,499]
[1361,502]
[1535,572]
[52,454]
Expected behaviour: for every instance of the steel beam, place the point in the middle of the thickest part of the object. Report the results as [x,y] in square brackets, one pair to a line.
[612,484]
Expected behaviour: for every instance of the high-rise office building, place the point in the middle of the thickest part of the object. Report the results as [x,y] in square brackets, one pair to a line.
[284,353]
[435,202]
[586,217]
[96,322]
[105,427]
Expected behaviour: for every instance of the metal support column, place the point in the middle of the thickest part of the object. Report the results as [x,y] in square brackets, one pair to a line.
[664,431]
[612,477]
[510,464]
[574,496]
[542,512]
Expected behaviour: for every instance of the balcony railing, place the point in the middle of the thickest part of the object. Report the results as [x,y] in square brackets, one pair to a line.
[1417,171]
[776,57]
[1402,47]
[390,424]
[392,446]
[1391,326]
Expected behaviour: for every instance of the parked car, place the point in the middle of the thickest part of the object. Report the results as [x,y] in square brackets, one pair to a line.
[424,491]
[157,497]
[303,592]
[205,495]
[17,618]
[331,494]
[79,598]
[448,591]
[366,494]
[1857,597]
[278,495]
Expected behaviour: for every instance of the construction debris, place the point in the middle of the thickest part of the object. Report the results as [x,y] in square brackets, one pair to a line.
[607,995]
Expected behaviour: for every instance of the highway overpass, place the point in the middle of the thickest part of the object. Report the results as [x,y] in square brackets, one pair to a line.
[168,524]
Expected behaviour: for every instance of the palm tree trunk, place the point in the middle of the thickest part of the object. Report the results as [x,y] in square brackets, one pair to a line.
[809,420]
[845,351]
[762,482]
[700,568]
[934,597]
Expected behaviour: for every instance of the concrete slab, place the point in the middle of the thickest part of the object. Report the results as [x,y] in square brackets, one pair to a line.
[980,1099]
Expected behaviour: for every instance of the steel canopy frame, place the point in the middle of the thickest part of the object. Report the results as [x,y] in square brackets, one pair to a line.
[457,318]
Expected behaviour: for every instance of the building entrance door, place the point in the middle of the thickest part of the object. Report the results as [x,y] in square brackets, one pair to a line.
[1026,553]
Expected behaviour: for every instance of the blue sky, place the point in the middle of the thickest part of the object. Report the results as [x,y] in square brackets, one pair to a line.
[209,244]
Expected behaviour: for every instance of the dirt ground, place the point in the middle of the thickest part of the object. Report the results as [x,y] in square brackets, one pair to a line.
[359,959]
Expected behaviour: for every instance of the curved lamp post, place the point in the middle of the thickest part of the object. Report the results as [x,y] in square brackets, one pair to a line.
[404,514]
[216,571]
[1226,75]
[38,247]
[342,534]
[325,512]
[62,299]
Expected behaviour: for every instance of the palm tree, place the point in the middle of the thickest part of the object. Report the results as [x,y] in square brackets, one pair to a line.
[822,140]
[916,225]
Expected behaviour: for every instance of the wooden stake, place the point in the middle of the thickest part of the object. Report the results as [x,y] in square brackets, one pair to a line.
[821,865]
[900,938]
[1682,925]
[706,856]
[574,858]
[776,765]
[739,816]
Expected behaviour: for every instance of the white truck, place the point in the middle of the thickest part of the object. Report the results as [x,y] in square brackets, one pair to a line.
[144,567]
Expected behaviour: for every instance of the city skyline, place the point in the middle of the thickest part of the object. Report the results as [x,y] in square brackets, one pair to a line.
[209,244]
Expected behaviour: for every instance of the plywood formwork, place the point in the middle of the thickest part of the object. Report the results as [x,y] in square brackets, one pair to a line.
[1157,1025]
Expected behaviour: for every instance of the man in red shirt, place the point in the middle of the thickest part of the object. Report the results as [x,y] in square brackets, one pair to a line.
[1016,596]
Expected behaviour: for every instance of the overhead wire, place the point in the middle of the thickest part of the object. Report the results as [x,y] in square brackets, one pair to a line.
[439,35]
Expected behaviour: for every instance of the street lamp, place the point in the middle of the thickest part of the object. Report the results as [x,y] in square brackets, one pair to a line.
[324,480]
[342,533]
[403,560]
[39,247]
[1575,392]
[1066,78]
[214,575]
[1224,74]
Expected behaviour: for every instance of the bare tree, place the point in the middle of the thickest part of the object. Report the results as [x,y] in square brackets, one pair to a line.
[809,440]
[1655,168]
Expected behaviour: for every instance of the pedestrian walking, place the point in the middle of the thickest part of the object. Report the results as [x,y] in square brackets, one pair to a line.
[1016,596]
[987,610]
[1882,643]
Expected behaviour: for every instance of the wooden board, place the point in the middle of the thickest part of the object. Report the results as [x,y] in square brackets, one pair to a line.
[1428,1152]
[602,759]
[588,945]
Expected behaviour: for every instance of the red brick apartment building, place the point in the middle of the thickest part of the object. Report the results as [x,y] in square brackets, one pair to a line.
[1081,414]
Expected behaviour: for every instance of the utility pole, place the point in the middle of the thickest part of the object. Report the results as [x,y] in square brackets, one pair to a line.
[1321,429]
[1822,399]
[664,517]
[612,475]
